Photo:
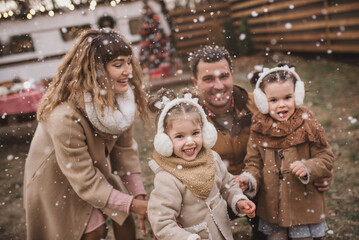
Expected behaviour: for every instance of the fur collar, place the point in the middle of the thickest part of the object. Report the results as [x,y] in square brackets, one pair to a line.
[112,123]
[299,128]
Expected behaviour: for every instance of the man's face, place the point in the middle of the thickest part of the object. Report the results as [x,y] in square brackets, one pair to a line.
[215,85]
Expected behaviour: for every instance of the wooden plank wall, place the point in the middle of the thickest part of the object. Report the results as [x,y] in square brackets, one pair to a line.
[197,27]
[330,26]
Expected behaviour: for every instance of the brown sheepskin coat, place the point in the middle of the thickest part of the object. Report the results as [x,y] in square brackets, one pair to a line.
[283,198]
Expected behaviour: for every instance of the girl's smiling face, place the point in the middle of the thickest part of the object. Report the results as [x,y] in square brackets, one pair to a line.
[186,136]
[119,71]
[280,97]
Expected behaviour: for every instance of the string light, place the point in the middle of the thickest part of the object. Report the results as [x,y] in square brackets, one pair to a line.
[12,7]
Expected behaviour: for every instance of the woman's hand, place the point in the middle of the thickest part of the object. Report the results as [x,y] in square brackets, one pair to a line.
[139,206]
[248,207]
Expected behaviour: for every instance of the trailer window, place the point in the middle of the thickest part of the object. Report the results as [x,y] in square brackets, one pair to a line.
[135,26]
[70,33]
[17,44]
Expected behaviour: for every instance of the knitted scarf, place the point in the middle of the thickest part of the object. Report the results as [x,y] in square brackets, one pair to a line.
[197,175]
[301,127]
[113,123]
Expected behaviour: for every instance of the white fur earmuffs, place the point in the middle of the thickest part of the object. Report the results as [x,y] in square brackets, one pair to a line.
[162,142]
[260,98]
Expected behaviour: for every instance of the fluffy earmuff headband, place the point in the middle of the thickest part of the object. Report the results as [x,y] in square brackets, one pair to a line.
[162,142]
[260,98]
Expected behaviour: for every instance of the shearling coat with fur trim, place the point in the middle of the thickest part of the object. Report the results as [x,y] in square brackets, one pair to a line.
[172,203]
[67,173]
[283,198]
[232,145]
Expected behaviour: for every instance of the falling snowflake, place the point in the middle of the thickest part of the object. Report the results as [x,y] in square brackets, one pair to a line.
[288,25]
[103,92]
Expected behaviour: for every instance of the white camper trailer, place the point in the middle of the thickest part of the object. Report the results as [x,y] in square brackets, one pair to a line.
[39,44]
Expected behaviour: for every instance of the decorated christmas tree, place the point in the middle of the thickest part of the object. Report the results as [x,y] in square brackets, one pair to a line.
[155,54]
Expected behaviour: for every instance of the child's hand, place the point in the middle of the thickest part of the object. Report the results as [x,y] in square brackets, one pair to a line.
[248,207]
[242,182]
[297,168]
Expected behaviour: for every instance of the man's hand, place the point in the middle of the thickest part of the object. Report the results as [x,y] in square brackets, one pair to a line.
[323,184]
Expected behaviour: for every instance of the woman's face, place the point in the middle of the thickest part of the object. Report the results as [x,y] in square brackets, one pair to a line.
[119,70]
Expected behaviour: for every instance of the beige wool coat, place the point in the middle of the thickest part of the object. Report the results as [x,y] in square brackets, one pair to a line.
[172,204]
[68,172]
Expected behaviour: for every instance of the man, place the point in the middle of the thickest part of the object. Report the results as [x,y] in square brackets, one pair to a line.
[228,106]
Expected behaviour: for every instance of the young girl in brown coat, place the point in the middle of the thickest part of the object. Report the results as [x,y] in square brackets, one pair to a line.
[192,186]
[83,164]
[286,153]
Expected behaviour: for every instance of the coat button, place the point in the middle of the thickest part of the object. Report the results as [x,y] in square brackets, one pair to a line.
[211,206]
[220,196]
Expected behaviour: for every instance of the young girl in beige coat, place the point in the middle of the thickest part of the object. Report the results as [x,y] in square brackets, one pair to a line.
[286,153]
[192,186]
[83,164]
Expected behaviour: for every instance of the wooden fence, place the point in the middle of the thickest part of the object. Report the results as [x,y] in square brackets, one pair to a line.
[282,25]
[197,27]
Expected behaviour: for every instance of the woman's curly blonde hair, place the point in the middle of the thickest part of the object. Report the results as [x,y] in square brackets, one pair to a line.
[83,70]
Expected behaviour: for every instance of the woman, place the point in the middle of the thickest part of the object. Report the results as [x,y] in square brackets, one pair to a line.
[83,163]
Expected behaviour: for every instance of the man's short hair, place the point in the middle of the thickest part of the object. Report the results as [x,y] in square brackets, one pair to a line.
[208,54]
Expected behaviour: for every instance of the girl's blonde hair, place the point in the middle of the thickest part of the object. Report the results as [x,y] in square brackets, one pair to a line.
[83,69]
